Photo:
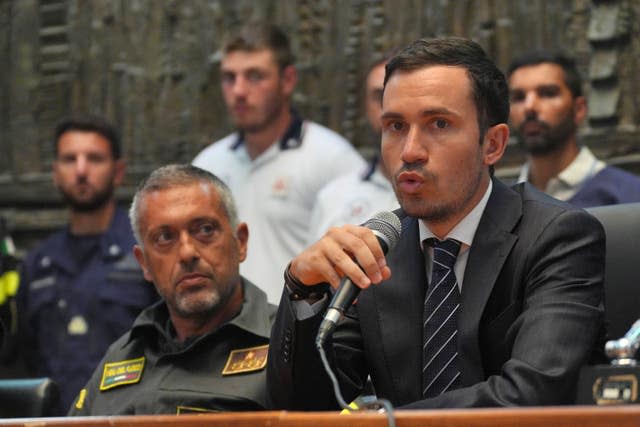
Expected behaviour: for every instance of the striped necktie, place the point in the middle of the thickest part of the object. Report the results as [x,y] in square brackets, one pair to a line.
[439,348]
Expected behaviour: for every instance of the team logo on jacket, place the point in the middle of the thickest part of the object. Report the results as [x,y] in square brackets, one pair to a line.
[120,373]
[246,360]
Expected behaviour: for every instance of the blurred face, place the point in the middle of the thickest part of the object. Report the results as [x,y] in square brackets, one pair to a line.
[375,83]
[431,144]
[189,250]
[255,90]
[544,113]
[85,171]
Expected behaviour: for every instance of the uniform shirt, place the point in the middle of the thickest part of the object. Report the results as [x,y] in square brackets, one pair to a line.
[276,192]
[352,199]
[148,372]
[71,308]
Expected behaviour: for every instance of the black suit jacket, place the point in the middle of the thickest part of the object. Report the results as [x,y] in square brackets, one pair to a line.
[531,315]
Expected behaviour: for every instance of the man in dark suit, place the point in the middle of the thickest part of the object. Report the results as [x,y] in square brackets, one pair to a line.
[527,282]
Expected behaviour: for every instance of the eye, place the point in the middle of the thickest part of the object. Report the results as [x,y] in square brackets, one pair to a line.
[162,237]
[67,159]
[255,76]
[228,78]
[394,126]
[206,229]
[516,96]
[548,91]
[441,123]
[96,158]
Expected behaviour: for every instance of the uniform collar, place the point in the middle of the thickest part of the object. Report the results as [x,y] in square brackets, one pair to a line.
[255,316]
[292,138]
[111,243]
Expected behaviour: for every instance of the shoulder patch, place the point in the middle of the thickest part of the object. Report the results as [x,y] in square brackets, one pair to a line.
[120,373]
[246,360]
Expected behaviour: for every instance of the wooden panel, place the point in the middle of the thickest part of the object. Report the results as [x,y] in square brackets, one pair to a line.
[619,416]
[152,67]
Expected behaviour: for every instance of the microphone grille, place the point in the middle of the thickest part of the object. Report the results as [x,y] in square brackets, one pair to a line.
[387,226]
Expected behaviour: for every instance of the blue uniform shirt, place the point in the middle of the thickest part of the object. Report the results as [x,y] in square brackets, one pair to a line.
[74,303]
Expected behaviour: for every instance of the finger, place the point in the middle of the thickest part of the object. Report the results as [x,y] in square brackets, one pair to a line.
[368,253]
[356,255]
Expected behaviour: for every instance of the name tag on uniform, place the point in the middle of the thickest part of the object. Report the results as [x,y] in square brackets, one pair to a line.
[120,373]
[246,360]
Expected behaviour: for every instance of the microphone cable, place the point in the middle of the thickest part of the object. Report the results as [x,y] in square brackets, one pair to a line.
[375,405]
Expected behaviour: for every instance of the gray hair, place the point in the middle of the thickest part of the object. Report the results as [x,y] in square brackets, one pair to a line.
[175,176]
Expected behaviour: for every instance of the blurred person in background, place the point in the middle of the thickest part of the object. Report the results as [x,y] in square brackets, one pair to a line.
[547,107]
[276,161]
[81,288]
[355,197]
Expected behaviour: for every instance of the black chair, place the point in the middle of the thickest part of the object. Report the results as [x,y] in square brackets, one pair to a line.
[29,397]
[622,265]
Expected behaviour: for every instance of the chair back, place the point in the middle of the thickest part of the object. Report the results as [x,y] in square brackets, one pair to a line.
[28,397]
[622,265]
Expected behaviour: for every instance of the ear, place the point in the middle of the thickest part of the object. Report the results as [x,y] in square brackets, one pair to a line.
[495,142]
[120,168]
[289,79]
[242,236]
[139,254]
[579,109]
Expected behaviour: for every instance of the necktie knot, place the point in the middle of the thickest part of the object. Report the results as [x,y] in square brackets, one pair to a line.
[445,253]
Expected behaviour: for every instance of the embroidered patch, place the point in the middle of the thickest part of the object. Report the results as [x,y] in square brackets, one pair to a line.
[120,373]
[181,410]
[246,360]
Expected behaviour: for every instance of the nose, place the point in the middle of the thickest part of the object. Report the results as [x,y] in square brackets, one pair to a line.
[239,87]
[187,251]
[531,101]
[81,165]
[414,149]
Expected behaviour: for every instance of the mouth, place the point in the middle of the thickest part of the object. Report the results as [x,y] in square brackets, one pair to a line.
[533,128]
[240,109]
[409,182]
[192,279]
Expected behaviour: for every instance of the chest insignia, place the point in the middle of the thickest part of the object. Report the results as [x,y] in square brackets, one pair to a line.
[120,373]
[77,326]
[280,187]
[246,360]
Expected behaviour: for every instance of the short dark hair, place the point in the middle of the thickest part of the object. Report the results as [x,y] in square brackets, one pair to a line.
[257,35]
[571,74]
[489,86]
[90,123]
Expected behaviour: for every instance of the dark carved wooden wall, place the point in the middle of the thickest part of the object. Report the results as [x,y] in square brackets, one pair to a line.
[152,67]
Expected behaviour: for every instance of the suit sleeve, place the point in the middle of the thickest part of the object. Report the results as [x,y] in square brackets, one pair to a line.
[557,328]
[296,378]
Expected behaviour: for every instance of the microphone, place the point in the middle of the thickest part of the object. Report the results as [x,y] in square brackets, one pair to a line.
[387,228]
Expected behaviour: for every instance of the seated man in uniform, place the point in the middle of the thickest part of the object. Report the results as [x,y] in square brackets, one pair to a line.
[204,346]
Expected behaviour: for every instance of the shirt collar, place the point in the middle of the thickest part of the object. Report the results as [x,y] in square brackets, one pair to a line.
[582,167]
[254,316]
[465,230]
[292,138]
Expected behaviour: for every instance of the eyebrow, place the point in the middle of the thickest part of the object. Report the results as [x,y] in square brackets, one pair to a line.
[424,113]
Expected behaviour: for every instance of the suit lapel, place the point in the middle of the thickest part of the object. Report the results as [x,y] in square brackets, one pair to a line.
[398,306]
[491,246]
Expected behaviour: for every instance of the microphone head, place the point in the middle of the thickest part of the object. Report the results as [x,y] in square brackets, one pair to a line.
[387,227]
